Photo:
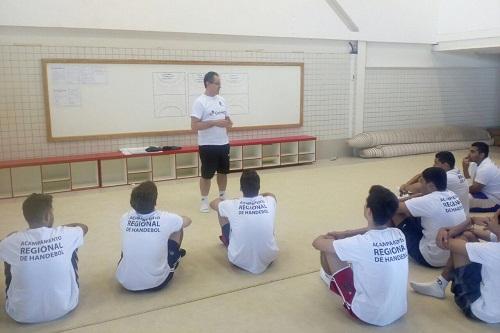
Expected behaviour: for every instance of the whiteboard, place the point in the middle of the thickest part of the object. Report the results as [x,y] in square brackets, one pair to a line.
[110,98]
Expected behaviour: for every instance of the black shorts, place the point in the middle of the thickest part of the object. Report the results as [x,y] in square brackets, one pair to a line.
[412,229]
[466,286]
[214,158]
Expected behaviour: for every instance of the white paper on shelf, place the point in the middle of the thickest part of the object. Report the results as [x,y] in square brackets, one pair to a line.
[132,151]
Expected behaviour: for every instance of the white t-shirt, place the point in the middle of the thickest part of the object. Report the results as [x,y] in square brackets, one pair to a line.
[208,108]
[458,185]
[439,209]
[488,174]
[379,260]
[144,264]
[44,282]
[252,245]
[487,307]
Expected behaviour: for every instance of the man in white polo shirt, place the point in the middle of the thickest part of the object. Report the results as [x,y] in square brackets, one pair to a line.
[247,225]
[485,175]
[210,117]
[368,267]
[41,264]
[456,182]
[420,218]
[473,269]
[151,242]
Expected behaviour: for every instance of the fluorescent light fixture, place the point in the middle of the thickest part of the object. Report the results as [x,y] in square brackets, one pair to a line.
[342,15]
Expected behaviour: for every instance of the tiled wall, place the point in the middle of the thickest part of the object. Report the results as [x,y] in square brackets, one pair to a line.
[394,97]
[22,114]
[417,97]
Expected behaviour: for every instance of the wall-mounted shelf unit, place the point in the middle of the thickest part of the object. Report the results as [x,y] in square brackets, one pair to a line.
[66,173]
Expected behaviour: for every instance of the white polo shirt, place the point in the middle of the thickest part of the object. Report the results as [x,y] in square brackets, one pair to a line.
[44,277]
[144,264]
[379,260]
[439,209]
[207,108]
[252,245]
[488,174]
[487,307]
[458,185]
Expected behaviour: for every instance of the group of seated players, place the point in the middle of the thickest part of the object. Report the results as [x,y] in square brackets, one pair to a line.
[367,268]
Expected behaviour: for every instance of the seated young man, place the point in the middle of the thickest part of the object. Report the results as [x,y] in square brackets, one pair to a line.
[41,271]
[420,218]
[485,175]
[473,268]
[247,225]
[368,267]
[456,182]
[151,242]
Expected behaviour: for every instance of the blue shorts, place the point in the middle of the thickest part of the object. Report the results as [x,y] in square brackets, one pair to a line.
[466,286]
[412,229]
[226,230]
[481,195]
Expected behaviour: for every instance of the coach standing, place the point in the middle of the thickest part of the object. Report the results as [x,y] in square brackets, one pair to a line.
[210,117]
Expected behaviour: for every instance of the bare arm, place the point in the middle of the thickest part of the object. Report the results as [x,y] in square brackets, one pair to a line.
[324,244]
[444,235]
[229,122]
[346,233]
[269,194]
[404,188]
[476,187]
[403,211]
[457,245]
[465,167]
[197,124]
[80,225]
[214,204]
[186,221]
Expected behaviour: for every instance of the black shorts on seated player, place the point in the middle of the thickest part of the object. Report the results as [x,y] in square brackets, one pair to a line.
[214,158]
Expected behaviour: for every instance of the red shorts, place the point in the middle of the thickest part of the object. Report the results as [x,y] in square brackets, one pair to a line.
[343,285]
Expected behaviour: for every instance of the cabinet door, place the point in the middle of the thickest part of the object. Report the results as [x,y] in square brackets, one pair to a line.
[163,167]
[84,175]
[26,180]
[113,172]
[56,178]
[307,151]
[5,183]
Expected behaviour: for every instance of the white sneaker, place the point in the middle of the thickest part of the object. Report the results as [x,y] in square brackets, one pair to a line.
[204,207]
[325,277]
[435,289]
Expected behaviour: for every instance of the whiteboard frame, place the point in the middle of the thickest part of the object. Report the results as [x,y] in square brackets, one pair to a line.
[51,138]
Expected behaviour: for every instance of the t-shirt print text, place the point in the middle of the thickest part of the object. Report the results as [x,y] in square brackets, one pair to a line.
[141,224]
[451,204]
[42,249]
[255,207]
[389,251]
[216,112]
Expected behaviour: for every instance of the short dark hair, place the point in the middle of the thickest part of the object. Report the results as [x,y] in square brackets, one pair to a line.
[36,206]
[209,78]
[383,204]
[143,197]
[250,183]
[446,157]
[482,148]
[437,176]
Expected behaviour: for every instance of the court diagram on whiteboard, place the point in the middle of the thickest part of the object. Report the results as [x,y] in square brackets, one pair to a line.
[169,93]
[234,90]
